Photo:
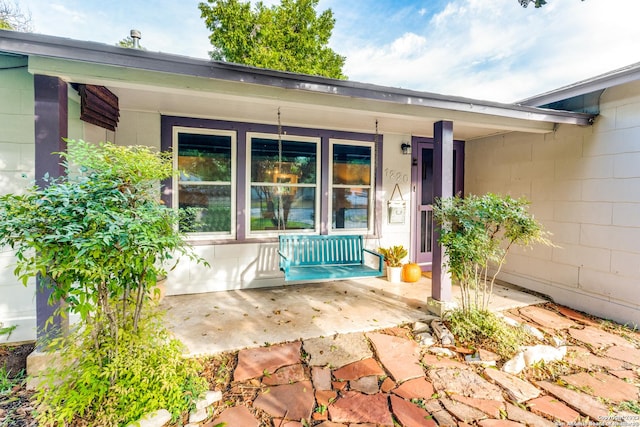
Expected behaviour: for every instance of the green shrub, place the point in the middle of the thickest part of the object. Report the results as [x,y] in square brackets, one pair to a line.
[481,328]
[476,233]
[148,372]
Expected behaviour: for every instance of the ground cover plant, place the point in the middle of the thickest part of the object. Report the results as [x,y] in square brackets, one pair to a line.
[100,238]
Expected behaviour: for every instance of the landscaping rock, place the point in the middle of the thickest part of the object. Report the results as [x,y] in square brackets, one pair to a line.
[321,378]
[285,375]
[597,338]
[442,333]
[425,339]
[546,318]
[603,385]
[153,419]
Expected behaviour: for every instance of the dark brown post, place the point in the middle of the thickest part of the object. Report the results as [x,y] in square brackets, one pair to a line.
[51,125]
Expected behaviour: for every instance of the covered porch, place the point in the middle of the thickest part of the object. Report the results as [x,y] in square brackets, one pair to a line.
[225,321]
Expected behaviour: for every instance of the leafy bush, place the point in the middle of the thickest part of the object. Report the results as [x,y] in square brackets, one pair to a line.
[481,328]
[476,234]
[146,373]
[100,238]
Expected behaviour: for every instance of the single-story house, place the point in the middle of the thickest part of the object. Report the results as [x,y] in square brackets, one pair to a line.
[273,152]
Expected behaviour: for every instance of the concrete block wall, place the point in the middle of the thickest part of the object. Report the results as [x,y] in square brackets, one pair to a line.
[584,186]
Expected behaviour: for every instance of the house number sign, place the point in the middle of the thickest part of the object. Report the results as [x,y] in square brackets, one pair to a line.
[397,207]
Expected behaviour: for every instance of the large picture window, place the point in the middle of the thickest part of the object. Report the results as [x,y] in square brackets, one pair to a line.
[248,181]
[206,161]
[351,185]
[283,175]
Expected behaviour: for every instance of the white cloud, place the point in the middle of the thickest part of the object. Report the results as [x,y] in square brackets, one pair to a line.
[497,50]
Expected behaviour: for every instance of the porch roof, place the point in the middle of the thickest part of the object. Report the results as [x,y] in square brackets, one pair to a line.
[179,85]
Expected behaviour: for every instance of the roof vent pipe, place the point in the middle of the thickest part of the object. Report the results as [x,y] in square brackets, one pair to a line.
[136,36]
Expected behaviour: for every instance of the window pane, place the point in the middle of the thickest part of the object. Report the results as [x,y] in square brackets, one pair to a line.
[297,165]
[351,165]
[204,157]
[282,208]
[211,208]
[350,208]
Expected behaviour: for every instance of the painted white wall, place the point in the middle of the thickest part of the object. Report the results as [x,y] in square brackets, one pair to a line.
[584,185]
[255,265]
[17,168]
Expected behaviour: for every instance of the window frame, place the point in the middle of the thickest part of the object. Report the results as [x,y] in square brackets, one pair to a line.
[249,184]
[371,206]
[204,235]
[241,128]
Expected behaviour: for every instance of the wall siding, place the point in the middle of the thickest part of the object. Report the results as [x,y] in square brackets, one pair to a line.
[584,186]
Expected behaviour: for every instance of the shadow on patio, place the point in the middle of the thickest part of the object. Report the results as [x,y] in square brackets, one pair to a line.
[223,321]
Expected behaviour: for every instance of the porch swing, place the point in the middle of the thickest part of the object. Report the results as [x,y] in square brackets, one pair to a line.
[307,257]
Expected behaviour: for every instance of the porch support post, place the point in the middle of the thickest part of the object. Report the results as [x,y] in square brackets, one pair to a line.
[51,125]
[441,298]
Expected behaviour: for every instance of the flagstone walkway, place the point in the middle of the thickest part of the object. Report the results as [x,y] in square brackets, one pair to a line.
[386,378]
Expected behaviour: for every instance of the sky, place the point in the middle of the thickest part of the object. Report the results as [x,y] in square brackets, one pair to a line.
[483,49]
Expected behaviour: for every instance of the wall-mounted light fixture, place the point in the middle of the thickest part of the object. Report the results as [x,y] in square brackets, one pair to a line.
[406,148]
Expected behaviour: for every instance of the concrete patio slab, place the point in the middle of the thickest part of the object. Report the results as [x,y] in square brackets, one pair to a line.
[215,322]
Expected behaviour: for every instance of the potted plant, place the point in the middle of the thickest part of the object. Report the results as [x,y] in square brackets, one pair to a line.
[393,256]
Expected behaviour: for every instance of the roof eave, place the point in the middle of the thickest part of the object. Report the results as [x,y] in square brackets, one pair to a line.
[99,53]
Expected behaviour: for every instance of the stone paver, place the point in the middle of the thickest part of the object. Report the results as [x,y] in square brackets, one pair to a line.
[354,407]
[253,362]
[546,318]
[337,351]
[629,355]
[515,413]
[367,385]
[359,369]
[598,338]
[238,416]
[285,375]
[603,385]
[551,407]
[344,376]
[434,362]
[463,412]
[418,388]
[410,415]
[290,401]
[499,423]
[465,383]
[489,407]
[583,358]
[321,378]
[399,356]
[581,402]
[574,315]
[517,389]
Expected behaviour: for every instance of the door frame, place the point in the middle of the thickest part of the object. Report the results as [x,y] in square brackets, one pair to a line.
[418,143]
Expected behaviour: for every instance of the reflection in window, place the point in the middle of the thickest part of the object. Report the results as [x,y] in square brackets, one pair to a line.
[283,184]
[204,188]
[351,186]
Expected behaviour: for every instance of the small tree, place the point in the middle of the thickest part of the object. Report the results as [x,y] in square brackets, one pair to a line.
[476,234]
[101,238]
